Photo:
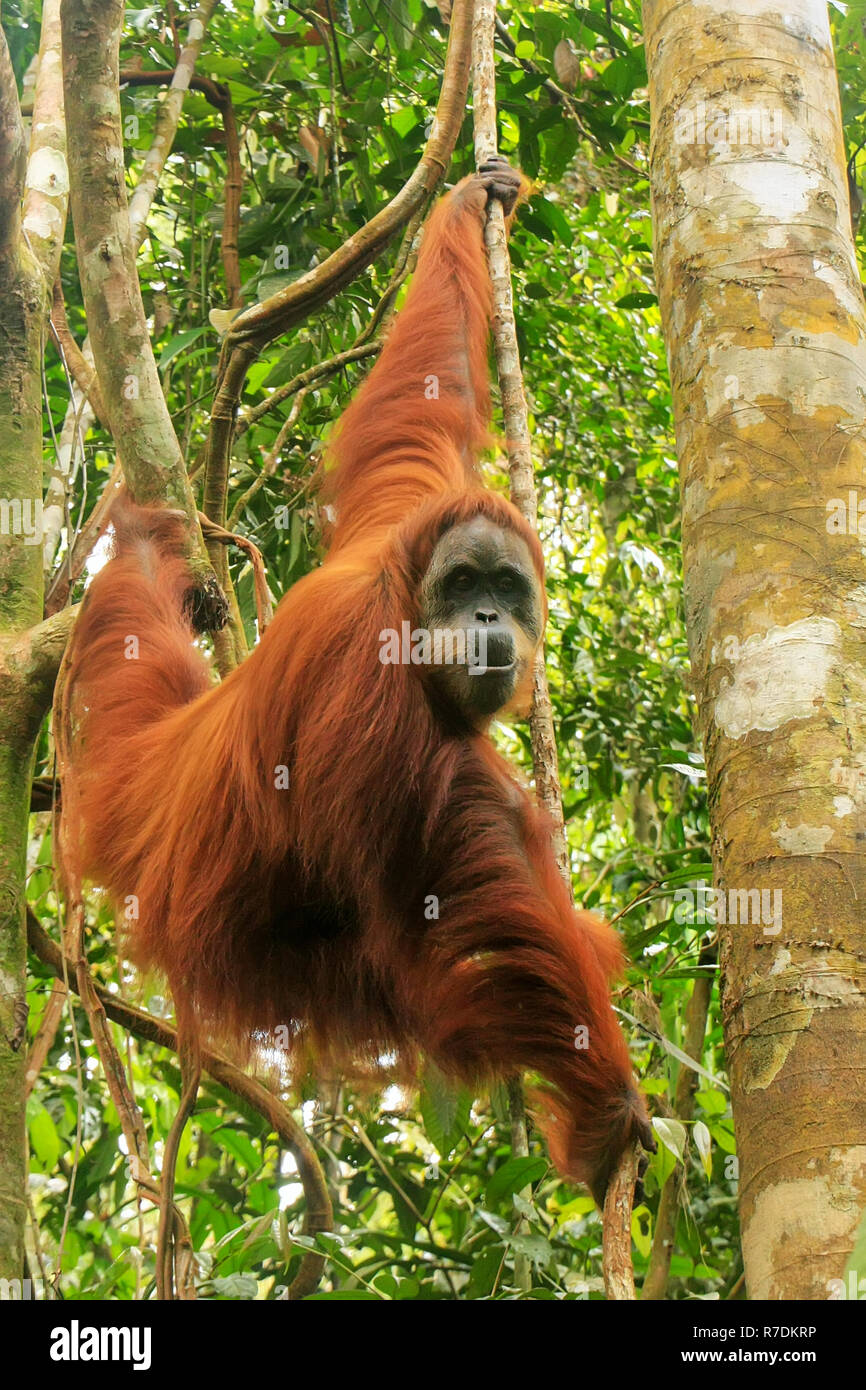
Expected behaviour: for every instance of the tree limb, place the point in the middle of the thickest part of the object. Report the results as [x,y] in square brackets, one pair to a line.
[94,527]
[167,121]
[257,326]
[30,661]
[616,1237]
[83,372]
[47,190]
[658,1270]
[137,412]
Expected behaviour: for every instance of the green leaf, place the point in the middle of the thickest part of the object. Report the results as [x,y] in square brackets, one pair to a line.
[403,120]
[444,1109]
[673,1135]
[345,1296]
[44,1138]
[638,299]
[712,1102]
[512,1176]
[723,1133]
[703,1144]
[241,1147]
[178,343]
[624,74]
[496,1223]
[535,1248]
[242,1286]
[599,25]
[484,1271]
[552,215]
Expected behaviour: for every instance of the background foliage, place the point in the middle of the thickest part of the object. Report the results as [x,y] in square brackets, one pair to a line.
[430,1203]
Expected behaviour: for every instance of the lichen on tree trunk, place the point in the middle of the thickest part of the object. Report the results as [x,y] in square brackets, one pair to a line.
[766,336]
[24,299]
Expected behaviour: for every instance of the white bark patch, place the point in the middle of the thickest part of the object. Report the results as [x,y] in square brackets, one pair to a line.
[850,779]
[778,676]
[781,961]
[745,188]
[785,371]
[798,1216]
[852,1162]
[47,172]
[820,987]
[807,19]
[841,288]
[802,838]
[775,189]
[857,599]
[43,222]
[842,806]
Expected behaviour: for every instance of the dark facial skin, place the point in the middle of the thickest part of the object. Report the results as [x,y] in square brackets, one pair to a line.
[481,581]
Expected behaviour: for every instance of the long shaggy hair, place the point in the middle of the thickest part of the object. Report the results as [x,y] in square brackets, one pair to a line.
[314,843]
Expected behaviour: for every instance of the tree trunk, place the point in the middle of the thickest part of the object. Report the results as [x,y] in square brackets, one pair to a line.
[25,302]
[764,321]
[138,416]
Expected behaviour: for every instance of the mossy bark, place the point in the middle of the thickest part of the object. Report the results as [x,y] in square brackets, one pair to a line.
[766,334]
[22,293]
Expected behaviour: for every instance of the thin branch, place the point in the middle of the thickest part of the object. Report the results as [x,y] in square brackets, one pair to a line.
[219,96]
[365,345]
[69,450]
[95,526]
[82,371]
[271,462]
[333,60]
[140,422]
[518,442]
[520,1149]
[616,1237]
[561,98]
[264,605]
[44,1040]
[321,371]
[47,192]
[231,206]
[263,322]
[619,1277]
[520,468]
[173,1260]
[694,1032]
[167,122]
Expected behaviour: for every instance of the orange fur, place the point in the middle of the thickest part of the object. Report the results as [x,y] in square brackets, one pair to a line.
[311,907]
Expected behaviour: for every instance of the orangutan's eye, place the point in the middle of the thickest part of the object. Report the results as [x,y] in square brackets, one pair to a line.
[461,580]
